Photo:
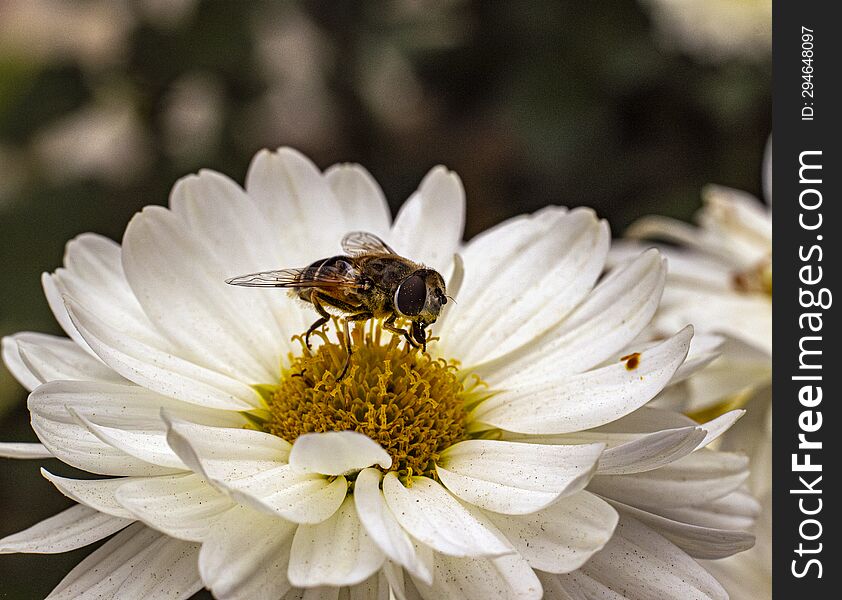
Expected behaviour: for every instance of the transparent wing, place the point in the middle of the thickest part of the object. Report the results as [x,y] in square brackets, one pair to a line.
[362,242]
[297,278]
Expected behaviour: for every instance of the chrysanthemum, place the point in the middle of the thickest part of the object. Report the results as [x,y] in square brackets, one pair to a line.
[720,279]
[514,460]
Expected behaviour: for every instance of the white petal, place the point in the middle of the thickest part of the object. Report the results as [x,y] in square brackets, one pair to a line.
[75,445]
[245,556]
[532,290]
[382,526]
[716,427]
[736,511]
[35,358]
[649,419]
[697,478]
[136,563]
[400,586]
[562,537]
[745,317]
[79,448]
[123,313]
[704,349]
[516,478]
[182,506]
[316,593]
[238,234]
[576,586]
[122,406]
[361,198]
[575,402]
[256,473]
[24,450]
[126,407]
[494,247]
[428,228]
[639,563]
[430,514]
[685,266]
[611,316]
[375,587]
[94,276]
[217,445]
[337,551]
[650,451]
[177,262]
[288,188]
[501,578]
[158,370]
[70,529]
[95,493]
[301,498]
[454,278]
[742,218]
[336,453]
[697,541]
[14,363]
[147,445]
[681,233]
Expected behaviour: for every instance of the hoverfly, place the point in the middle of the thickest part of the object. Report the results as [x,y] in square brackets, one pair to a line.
[369,281]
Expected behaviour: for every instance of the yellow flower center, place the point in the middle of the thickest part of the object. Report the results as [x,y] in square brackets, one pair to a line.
[413,405]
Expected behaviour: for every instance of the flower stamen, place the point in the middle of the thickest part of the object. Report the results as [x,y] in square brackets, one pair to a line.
[413,405]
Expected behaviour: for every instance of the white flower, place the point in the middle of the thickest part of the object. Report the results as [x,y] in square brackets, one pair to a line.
[715,30]
[720,280]
[529,467]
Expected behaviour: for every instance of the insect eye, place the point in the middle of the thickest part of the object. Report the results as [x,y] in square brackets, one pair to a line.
[411,296]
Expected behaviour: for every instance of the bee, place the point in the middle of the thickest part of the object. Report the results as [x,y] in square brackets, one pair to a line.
[369,281]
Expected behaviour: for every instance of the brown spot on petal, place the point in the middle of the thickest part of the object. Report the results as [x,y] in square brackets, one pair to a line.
[632,360]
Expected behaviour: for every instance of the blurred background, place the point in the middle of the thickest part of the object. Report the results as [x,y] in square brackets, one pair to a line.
[628,106]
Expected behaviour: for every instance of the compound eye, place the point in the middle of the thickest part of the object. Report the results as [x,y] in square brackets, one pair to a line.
[411,296]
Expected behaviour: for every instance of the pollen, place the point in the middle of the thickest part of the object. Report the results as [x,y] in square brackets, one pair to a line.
[410,403]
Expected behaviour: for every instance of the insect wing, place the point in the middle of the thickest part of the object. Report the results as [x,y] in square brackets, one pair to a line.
[307,277]
[279,278]
[362,242]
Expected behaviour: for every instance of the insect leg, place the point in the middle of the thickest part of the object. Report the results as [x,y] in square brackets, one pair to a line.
[389,325]
[324,318]
[360,316]
[419,335]
[319,300]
